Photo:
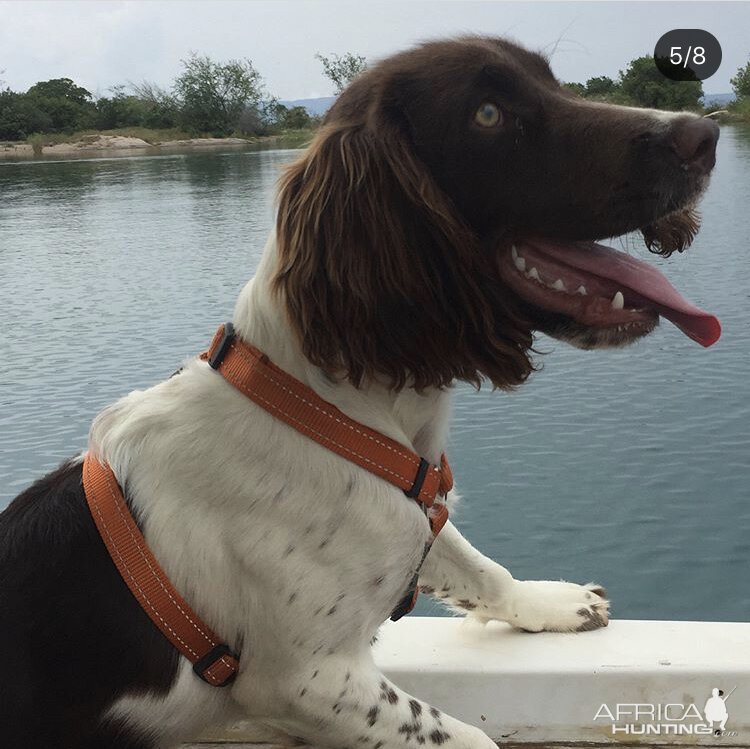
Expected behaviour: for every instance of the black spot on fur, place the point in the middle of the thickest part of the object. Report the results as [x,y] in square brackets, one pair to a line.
[331,611]
[410,729]
[464,603]
[378,580]
[303,692]
[323,543]
[415,707]
[426,589]
[289,550]
[439,737]
[291,598]
[315,673]
[435,713]
[391,696]
[372,715]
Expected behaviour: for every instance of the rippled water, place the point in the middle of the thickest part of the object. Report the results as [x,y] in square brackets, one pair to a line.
[628,467]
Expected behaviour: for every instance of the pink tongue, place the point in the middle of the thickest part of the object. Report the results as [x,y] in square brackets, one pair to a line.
[641,278]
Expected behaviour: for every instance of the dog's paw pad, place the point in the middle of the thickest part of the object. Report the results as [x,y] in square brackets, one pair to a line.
[593,618]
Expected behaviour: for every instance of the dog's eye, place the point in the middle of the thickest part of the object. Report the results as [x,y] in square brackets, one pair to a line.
[488,115]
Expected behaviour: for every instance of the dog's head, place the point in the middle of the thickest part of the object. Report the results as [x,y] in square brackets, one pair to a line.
[448,207]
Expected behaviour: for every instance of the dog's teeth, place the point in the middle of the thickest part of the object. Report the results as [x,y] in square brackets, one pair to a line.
[618,301]
[559,285]
[534,273]
[581,290]
[514,252]
[520,263]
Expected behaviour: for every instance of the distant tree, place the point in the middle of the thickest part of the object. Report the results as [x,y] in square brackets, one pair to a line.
[296,118]
[68,106]
[645,86]
[741,82]
[600,86]
[576,88]
[119,110]
[213,95]
[341,70]
[20,116]
[63,88]
[161,109]
[264,118]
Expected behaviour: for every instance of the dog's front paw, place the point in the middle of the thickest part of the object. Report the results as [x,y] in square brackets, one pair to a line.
[538,605]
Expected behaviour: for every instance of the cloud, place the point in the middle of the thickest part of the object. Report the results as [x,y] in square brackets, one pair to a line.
[100,44]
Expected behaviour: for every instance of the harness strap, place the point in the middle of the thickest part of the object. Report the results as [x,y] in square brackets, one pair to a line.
[286,398]
[250,371]
[253,374]
[213,661]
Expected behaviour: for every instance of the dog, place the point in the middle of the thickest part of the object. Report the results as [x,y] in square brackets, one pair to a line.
[447,208]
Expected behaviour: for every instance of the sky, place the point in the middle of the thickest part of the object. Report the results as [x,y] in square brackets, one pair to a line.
[102,43]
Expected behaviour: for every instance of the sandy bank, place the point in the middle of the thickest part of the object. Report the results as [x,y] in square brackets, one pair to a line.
[110,143]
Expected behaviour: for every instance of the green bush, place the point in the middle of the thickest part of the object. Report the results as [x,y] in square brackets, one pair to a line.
[68,106]
[20,116]
[741,82]
[645,85]
[642,84]
[212,96]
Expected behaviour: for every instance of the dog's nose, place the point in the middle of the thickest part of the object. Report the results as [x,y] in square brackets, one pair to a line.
[694,142]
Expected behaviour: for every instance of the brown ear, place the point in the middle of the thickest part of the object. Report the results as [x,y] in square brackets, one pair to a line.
[379,274]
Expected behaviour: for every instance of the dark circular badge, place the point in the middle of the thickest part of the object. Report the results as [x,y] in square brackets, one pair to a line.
[688,54]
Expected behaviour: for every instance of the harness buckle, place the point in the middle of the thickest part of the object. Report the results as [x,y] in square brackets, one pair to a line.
[416,488]
[209,659]
[215,359]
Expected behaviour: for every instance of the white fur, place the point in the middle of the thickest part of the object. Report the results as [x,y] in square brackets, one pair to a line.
[292,554]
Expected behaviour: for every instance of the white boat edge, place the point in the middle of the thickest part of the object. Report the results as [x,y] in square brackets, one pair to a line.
[634,682]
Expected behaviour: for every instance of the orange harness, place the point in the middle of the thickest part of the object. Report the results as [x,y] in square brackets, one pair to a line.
[253,374]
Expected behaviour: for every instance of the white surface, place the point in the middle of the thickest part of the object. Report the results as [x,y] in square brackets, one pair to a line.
[548,687]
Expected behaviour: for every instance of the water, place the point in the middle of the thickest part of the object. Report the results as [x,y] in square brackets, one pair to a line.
[631,468]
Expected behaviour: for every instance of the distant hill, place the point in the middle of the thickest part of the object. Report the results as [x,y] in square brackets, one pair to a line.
[314,107]
[718,99]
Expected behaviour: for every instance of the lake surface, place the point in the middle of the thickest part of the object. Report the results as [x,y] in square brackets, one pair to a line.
[630,468]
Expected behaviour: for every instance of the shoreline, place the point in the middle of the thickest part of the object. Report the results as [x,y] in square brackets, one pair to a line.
[123,145]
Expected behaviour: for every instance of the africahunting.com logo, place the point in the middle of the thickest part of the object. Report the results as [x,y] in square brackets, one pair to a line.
[673,718]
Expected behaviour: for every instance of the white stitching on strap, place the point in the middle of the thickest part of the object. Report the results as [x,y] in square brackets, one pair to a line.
[153,572]
[272,379]
[323,436]
[322,410]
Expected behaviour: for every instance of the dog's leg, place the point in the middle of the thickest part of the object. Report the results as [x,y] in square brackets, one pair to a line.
[335,702]
[465,579]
